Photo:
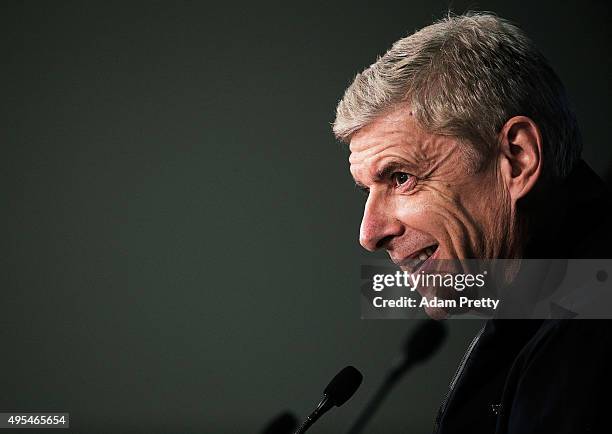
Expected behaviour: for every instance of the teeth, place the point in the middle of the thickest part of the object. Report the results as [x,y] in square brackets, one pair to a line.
[418,260]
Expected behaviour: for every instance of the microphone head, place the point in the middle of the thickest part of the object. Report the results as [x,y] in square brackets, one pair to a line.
[343,385]
[424,341]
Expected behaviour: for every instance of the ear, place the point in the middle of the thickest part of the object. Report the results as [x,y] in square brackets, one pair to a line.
[521,155]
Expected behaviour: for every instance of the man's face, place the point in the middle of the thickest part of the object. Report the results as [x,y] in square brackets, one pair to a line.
[425,202]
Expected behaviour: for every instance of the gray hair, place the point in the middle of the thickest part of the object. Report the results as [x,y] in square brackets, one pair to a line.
[465,76]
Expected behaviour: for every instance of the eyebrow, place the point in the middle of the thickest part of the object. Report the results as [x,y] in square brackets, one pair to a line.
[387,169]
[382,173]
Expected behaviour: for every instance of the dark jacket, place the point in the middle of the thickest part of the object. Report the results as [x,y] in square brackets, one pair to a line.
[543,376]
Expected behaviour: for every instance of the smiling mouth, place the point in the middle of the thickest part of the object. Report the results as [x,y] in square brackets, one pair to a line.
[417,260]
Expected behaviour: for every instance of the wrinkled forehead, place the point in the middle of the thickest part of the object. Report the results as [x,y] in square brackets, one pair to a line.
[394,125]
[400,138]
[396,134]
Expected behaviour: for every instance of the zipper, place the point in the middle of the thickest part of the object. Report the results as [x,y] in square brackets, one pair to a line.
[456,377]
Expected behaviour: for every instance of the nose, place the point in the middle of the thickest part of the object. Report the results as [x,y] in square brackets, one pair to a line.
[379,225]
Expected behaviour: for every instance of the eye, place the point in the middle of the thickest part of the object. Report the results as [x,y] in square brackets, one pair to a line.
[400,178]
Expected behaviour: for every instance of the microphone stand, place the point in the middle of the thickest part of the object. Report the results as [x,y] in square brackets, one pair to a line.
[323,406]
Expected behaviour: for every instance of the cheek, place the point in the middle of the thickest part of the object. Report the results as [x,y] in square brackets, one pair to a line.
[410,208]
[430,212]
[446,216]
[415,212]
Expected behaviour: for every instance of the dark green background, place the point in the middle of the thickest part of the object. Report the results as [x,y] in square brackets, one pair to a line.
[180,229]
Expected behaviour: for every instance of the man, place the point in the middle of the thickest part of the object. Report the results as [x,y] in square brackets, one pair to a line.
[463,139]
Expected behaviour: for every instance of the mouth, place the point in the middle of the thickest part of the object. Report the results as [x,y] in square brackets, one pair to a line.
[418,260]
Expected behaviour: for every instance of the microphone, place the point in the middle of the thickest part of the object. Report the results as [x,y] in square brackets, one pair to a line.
[418,347]
[338,391]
